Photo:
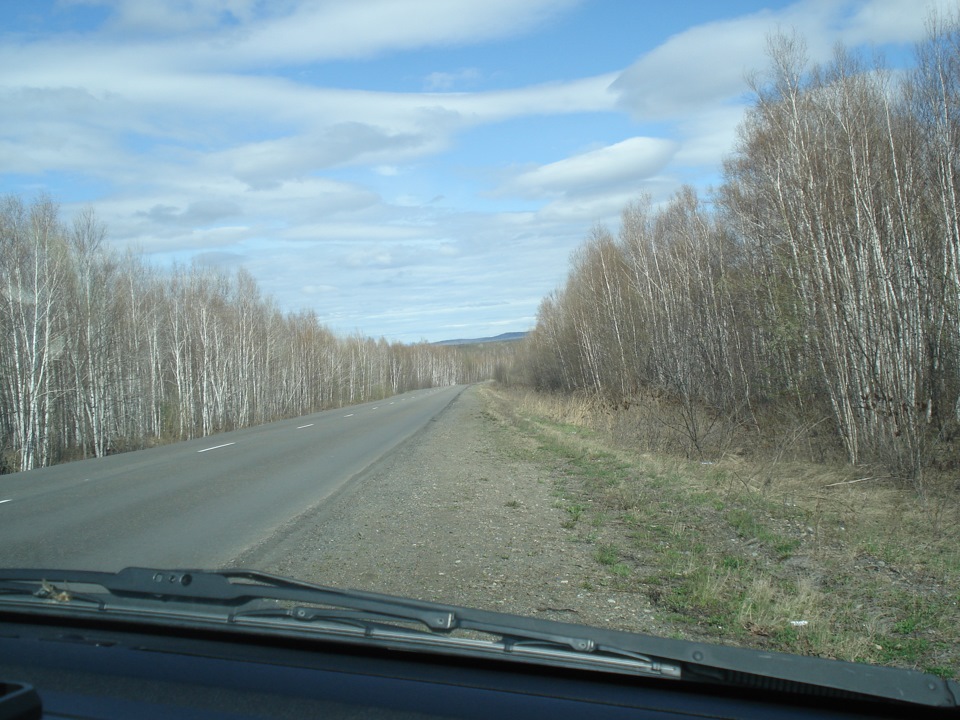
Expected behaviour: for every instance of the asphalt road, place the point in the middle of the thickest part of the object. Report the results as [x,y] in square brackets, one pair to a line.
[200,503]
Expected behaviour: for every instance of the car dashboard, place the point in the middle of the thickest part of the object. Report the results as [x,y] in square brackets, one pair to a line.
[54,669]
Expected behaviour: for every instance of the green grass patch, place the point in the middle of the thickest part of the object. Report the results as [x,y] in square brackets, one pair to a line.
[749,526]
[607,554]
[574,512]
[793,557]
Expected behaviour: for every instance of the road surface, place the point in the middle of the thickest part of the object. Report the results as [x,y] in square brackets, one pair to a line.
[200,503]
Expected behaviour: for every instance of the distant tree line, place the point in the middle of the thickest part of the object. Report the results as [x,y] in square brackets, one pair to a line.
[823,276]
[100,352]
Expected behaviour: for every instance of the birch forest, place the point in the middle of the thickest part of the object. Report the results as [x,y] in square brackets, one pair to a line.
[819,281]
[100,352]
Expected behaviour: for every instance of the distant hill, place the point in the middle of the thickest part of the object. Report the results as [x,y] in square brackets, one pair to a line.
[503,337]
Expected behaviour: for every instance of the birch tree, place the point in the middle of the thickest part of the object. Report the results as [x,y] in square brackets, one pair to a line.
[32,258]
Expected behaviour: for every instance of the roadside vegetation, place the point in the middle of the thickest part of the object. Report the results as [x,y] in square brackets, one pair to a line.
[812,303]
[801,557]
[101,352]
[752,404]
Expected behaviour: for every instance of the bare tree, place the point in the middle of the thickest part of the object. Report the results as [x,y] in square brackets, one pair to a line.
[32,257]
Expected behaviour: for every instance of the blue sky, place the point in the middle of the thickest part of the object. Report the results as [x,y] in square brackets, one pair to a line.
[410,169]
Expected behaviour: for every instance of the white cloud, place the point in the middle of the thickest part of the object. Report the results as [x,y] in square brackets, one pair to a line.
[154,18]
[349,29]
[625,162]
[243,34]
[357,229]
[590,94]
[313,289]
[260,130]
[197,213]
[708,137]
[694,69]
[265,163]
[882,21]
[706,65]
[445,81]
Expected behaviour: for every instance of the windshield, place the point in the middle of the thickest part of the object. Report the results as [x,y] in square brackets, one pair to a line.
[638,317]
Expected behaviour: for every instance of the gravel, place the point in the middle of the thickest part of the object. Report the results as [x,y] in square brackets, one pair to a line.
[458,514]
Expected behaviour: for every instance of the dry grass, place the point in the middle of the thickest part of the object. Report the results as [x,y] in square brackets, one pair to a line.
[761,550]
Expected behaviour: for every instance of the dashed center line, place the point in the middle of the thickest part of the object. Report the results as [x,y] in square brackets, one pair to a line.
[7,500]
[350,415]
[301,427]
[216,446]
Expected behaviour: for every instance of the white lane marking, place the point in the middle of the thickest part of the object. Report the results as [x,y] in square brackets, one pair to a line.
[216,446]
[7,500]
[350,415]
[377,407]
[301,427]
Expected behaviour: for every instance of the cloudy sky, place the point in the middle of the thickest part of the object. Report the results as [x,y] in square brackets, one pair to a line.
[412,169]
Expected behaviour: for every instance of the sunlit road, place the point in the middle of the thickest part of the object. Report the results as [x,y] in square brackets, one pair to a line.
[200,503]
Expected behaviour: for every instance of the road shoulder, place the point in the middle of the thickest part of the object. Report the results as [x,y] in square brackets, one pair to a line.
[456,517]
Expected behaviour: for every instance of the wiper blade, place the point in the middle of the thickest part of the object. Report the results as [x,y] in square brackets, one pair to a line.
[227,588]
[263,601]
[237,588]
[242,593]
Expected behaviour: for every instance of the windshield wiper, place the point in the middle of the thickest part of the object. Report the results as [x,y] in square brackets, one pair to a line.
[380,617]
[228,588]
[264,601]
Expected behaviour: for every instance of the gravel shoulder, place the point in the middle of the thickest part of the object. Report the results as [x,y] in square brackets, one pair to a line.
[457,515]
